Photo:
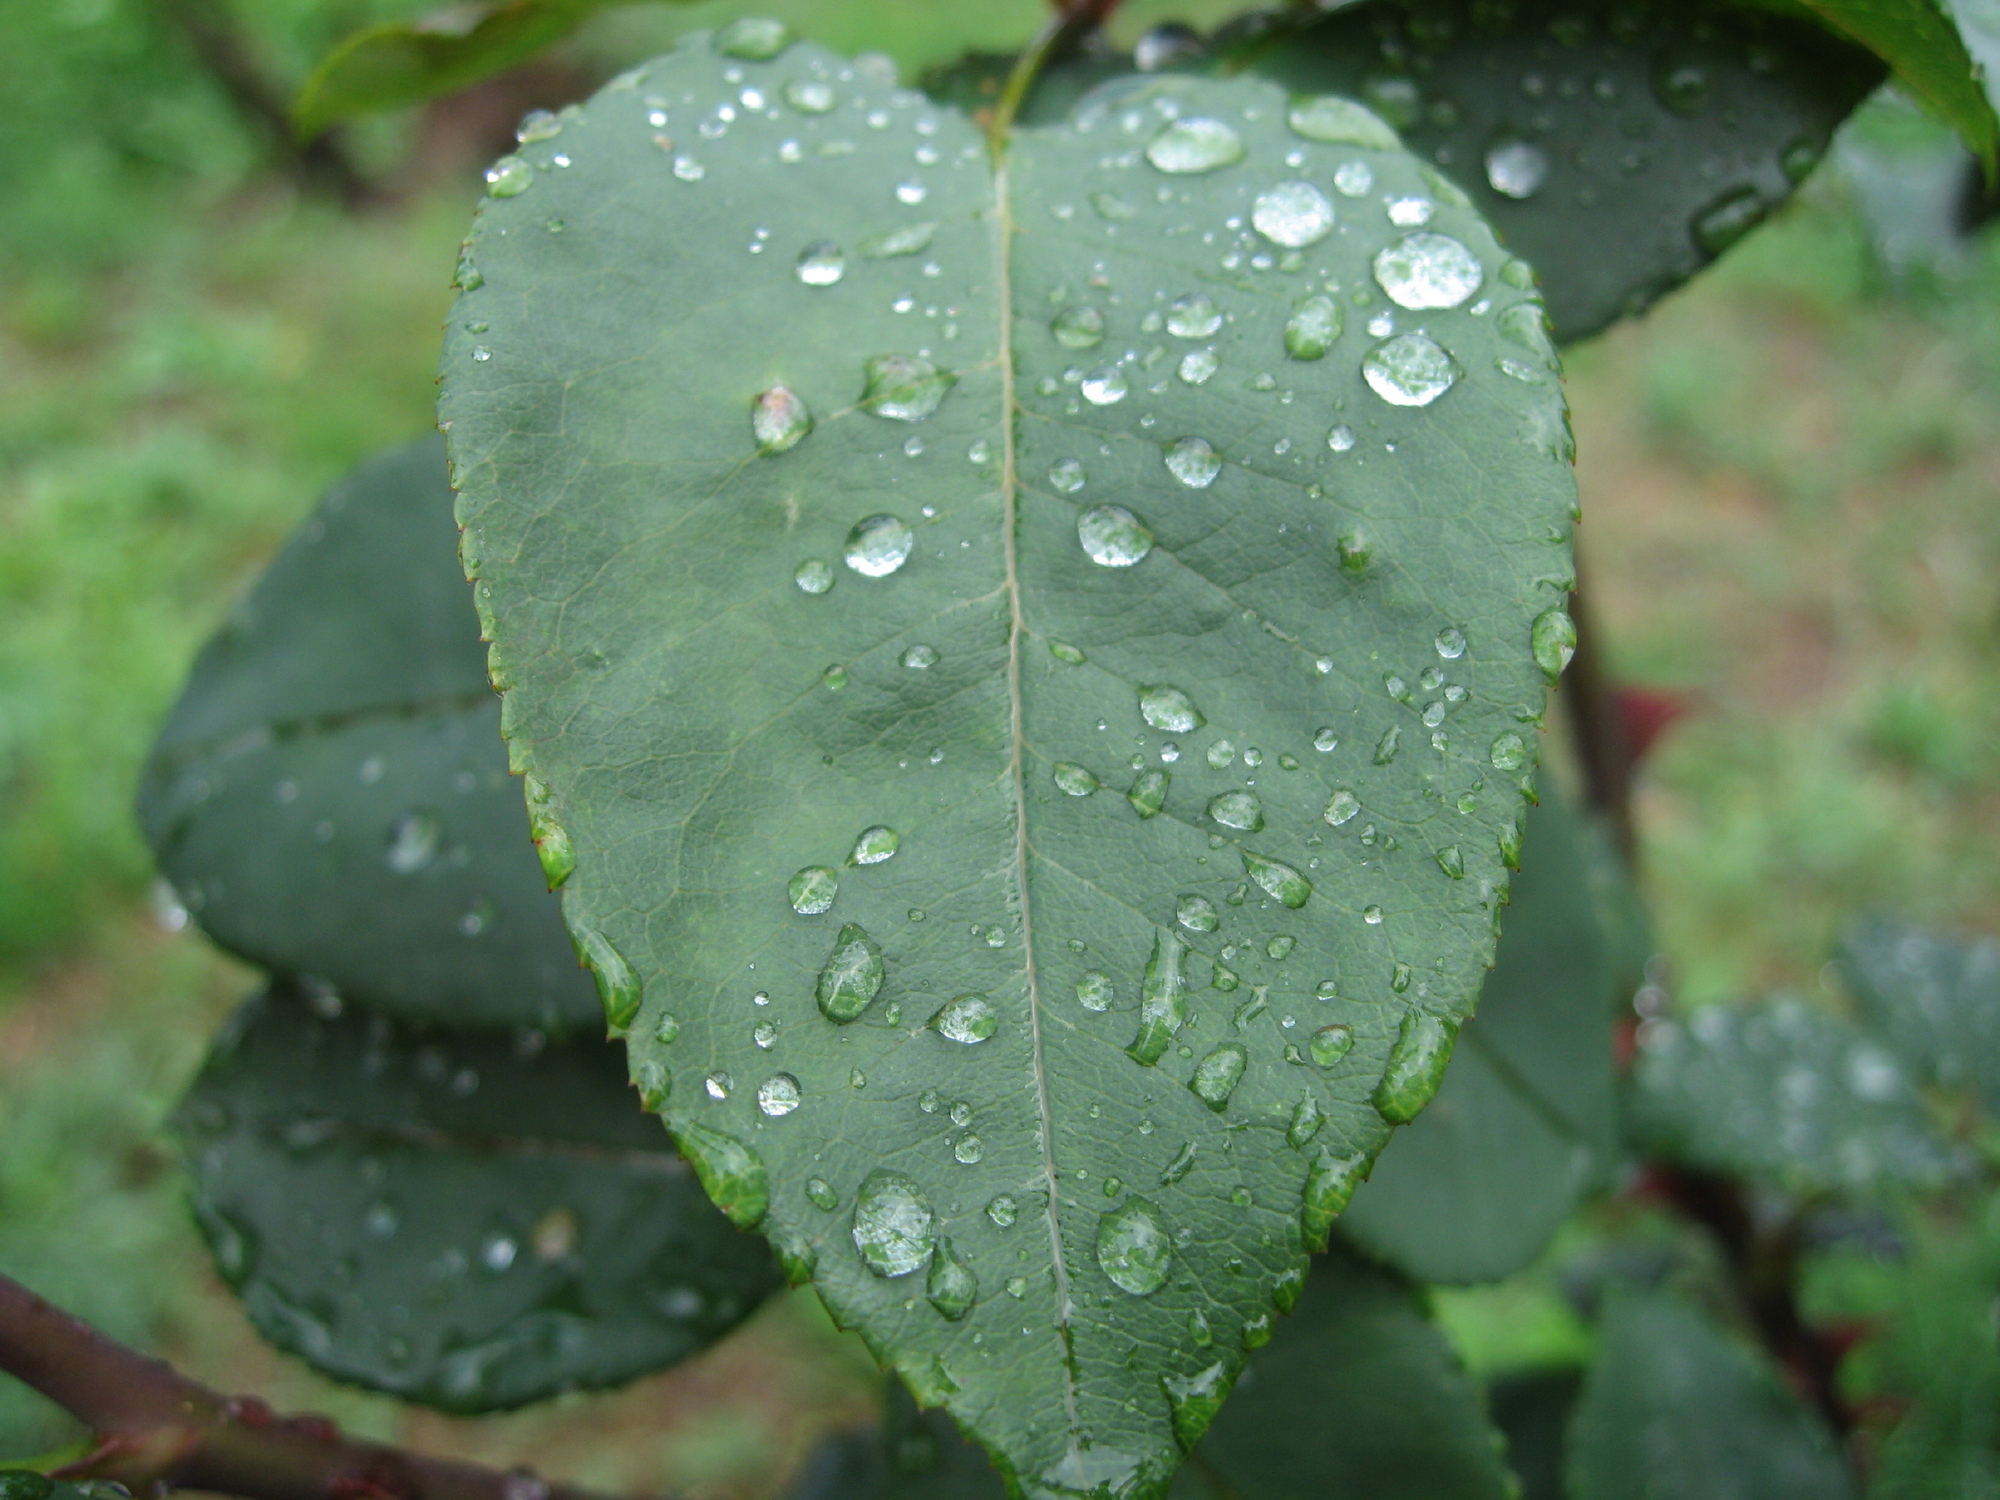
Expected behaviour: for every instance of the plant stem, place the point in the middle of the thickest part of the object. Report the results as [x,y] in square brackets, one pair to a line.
[1597,727]
[1073,21]
[156,1430]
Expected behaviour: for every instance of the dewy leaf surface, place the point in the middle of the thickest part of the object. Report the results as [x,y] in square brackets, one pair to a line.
[823,482]
[330,795]
[1935,998]
[456,1219]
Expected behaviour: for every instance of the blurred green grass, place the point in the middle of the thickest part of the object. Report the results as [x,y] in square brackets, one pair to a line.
[1789,479]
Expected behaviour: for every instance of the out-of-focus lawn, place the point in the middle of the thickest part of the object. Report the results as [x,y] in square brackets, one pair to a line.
[1790,488]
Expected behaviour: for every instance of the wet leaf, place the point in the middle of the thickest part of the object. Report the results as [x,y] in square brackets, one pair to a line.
[469,1222]
[1935,999]
[707,647]
[330,795]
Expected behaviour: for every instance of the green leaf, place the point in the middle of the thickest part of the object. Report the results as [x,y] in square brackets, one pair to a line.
[1532,1411]
[730,667]
[1921,41]
[466,1221]
[1525,1120]
[1618,149]
[400,63]
[330,795]
[1782,1091]
[1936,1000]
[1676,1409]
[29,1484]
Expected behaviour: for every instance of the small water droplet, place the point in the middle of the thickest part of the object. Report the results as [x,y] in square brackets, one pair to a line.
[1341,438]
[1428,271]
[1105,387]
[1169,709]
[1279,881]
[1075,780]
[911,192]
[812,890]
[765,1035]
[904,387]
[1239,810]
[1353,179]
[1194,144]
[1002,1211]
[1294,214]
[969,1151]
[1330,1183]
[851,977]
[1148,794]
[1450,643]
[878,545]
[413,842]
[1162,999]
[778,1095]
[1408,213]
[1416,1066]
[920,658]
[1095,991]
[1113,537]
[1062,651]
[1133,1250]
[1216,1075]
[1341,122]
[779,420]
[1078,327]
[753,38]
[509,177]
[821,263]
[1281,946]
[1516,168]
[1179,1167]
[718,1084]
[1193,462]
[875,845]
[1193,316]
[813,576]
[967,1019]
[1220,754]
[1197,914]
[894,1228]
[820,1193]
[1330,1044]
[1451,861]
[1386,747]
[811,96]
[951,1287]
[1315,323]
[1409,370]
[1066,476]
[1326,740]
[1197,365]
[1509,752]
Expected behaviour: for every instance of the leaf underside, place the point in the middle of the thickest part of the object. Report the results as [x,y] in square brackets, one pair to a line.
[330,795]
[1050,1083]
[462,1221]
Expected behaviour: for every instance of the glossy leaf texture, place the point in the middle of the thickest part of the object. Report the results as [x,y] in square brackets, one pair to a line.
[1619,149]
[1525,1120]
[1782,1091]
[330,795]
[1675,1408]
[1932,997]
[1922,40]
[965,621]
[469,1222]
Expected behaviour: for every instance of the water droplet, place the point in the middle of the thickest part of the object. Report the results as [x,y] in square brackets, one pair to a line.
[538,125]
[1079,327]
[1149,793]
[1353,179]
[1216,1075]
[1450,643]
[1408,213]
[1197,914]
[687,169]
[911,191]
[778,1095]
[1516,168]
[1726,220]
[920,658]
[1193,1401]
[1510,845]
[812,890]
[1278,881]
[1341,438]
[852,976]
[618,986]
[1409,370]
[1372,915]
[1002,1211]
[1294,214]
[951,1287]
[813,576]
[1280,947]
[718,1084]
[1341,122]
[509,177]
[1239,810]
[1416,1066]
[1162,999]
[1683,86]
[1105,387]
[1306,1120]
[1113,537]
[893,1226]
[413,842]
[969,1151]
[811,96]
[1330,1044]
[1132,1248]
[1451,861]
[1330,1183]
[1194,144]
[821,263]
[1169,709]
[1193,462]
[753,38]
[878,546]
[1424,271]
[1315,323]
[1386,747]
[765,1035]
[1225,979]
[909,239]
[968,1019]
[779,420]
[820,1193]
[1197,365]
[1220,754]
[904,387]
[1075,780]
[1194,316]
[1509,752]
[834,677]
[875,845]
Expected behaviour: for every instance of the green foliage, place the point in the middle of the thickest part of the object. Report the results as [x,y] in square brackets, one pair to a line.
[26,1484]
[720,709]
[1936,999]
[330,796]
[1920,39]
[1676,1409]
[340,1160]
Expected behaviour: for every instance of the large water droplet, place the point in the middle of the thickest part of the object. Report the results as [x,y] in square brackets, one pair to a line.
[731,1173]
[812,890]
[1341,122]
[952,1287]
[1516,168]
[1162,999]
[1428,271]
[904,387]
[754,38]
[1315,323]
[1193,462]
[852,976]
[893,1226]
[1132,1248]
[1094,991]
[778,1095]
[1079,327]
[509,177]
[821,263]
[1240,810]
[1194,316]
[1330,1044]
[1193,1401]
[1306,1121]
[1194,144]
[875,845]
[1075,780]
[1216,1075]
[878,545]
[1416,1066]
[1330,1183]
[1113,537]
[1451,861]
[1292,214]
[1170,709]
[1148,794]
[1553,638]
[779,420]
[1509,752]
[968,1019]
[1726,220]
[1409,370]
[1197,914]
[1278,881]
[1105,387]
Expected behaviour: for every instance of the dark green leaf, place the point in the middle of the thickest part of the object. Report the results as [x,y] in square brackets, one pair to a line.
[1532,1411]
[1676,1409]
[1936,1000]
[1619,149]
[913,1455]
[330,795]
[471,1222]
[400,63]
[29,1484]
[1525,1120]
[712,731]
[1782,1091]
